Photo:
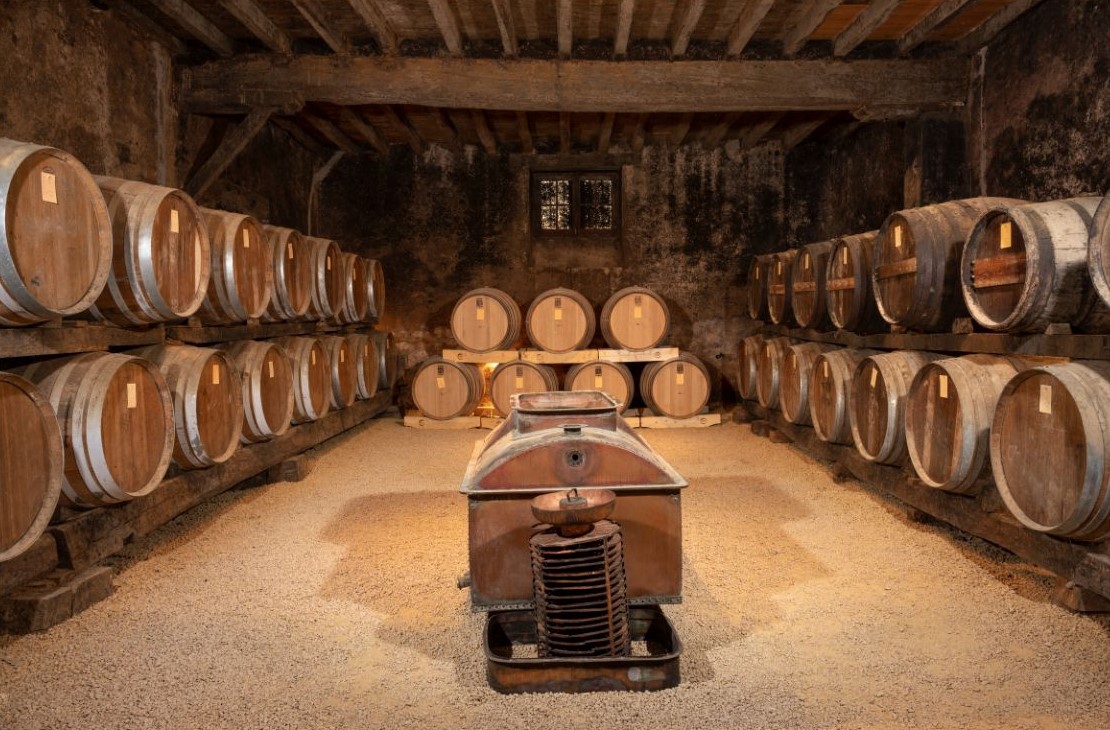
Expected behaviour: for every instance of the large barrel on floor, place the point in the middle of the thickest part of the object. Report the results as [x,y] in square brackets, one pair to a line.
[116,414]
[748,357]
[367,365]
[387,359]
[1098,254]
[830,393]
[292,274]
[161,258]
[916,262]
[242,268]
[758,272]
[519,376]
[949,411]
[485,319]
[678,388]
[442,390]
[312,378]
[635,319]
[849,298]
[879,389]
[807,284]
[613,378]
[32,467]
[266,377]
[56,237]
[560,320]
[355,302]
[207,402]
[344,371]
[1024,267]
[375,284]
[779,292]
[795,380]
[768,371]
[1049,441]
[327,278]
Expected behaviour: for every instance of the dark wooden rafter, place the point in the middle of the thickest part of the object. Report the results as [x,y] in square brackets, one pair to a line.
[503,12]
[757,132]
[681,129]
[301,137]
[605,134]
[143,23]
[624,28]
[372,15]
[448,26]
[690,18]
[564,19]
[415,141]
[746,24]
[639,133]
[716,134]
[196,25]
[796,133]
[994,25]
[484,131]
[259,24]
[369,134]
[875,14]
[447,129]
[806,19]
[233,143]
[333,134]
[314,14]
[524,131]
[916,35]
[564,133]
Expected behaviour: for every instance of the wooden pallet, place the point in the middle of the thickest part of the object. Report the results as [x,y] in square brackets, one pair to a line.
[66,337]
[575,357]
[705,419]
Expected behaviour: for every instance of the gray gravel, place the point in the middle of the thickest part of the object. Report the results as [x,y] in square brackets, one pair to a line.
[331,604]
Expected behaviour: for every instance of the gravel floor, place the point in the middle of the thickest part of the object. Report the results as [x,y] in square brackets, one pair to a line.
[331,604]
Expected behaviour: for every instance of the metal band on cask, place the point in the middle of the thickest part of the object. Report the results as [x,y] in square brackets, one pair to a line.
[344,371]
[116,414]
[266,375]
[779,292]
[768,371]
[387,359]
[748,356]
[31,470]
[442,389]
[367,363]
[55,235]
[485,319]
[795,379]
[161,258]
[312,377]
[758,274]
[635,319]
[242,268]
[849,298]
[830,393]
[807,285]
[519,376]
[375,283]
[613,378]
[292,274]
[327,278]
[879,389]
[560,320]
[678,388]
[355,302]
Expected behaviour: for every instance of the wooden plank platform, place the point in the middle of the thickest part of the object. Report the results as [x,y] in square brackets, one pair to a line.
[573,357]
[655,354]
[648,419]
[66,337]
[203,335]
[481,358]
[543,357]
[414,419]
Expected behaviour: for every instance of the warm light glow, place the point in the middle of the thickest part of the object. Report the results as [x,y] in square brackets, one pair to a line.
[490,366]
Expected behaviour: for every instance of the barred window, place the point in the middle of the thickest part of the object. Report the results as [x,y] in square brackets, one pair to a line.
[575,203]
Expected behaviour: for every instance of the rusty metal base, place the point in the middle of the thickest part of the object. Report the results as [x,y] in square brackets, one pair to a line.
[507,675]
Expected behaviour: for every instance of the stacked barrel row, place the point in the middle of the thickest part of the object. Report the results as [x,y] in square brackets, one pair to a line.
[134,254]
[1011,266]
[1040,432]
[559,321]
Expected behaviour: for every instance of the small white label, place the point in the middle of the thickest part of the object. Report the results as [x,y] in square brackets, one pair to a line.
[805,262]
[215,374]
[49,188]
[874,376]
[897,236]
[679,378]
[943,386]
[440,382]
[289,251]
[313,353]
[558,314]
[132,395]
[246,238]
[270,363]
[327,262]
[520,382]
[1005,235]
[1046,399]
[757,269]
[637,312]
[480,314]
[844,255]
[599,381]
[778,267]
[175,221]
[825,368]
[342,356]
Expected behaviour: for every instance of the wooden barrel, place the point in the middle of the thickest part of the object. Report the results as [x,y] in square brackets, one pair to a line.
[375,283]
[116,415]
[795,379]
[161,259]
[560,320]
[485,319]
[916,262]
[1024,267]
[748,355]
[327,278]
[759,272]
[387,359]
[635,319]
[879,389]
[1049,443]
[519,376]
[443,390]
[779,292]
[312,377]
[1098,254]
[56,241]
[355,302]
[807,285]
[768,371]
[949,411]
[344,371]
[613,378]
[207,402]
[266,375]
[242,268]
[31,483]
[849,298]
[367,363]
[830,393]
[678,388]
[292,274]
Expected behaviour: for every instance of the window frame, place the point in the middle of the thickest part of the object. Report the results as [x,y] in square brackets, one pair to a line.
[576,177]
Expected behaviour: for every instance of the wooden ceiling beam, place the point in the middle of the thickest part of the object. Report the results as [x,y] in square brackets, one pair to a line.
[916,35]
[690,18]
[503,11]
[301,137]
[257,22]
[755,134]
[196,25]
[806,19]
[332,133]
[448,26]
[416,142]
[236,85]
[525,131]
[795,134]
[875,14]
[146,26]
[605,134]
[564,133]
[367,131]
[485,133]
[994,25]
[372,15]
[624,28]
[311,11]
[564,18]
[233,143]
[746,24]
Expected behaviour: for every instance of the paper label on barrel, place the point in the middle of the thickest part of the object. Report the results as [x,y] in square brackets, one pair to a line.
[132,395]
[778,267]
[1046,399]
[805,262]
[479,314]
[313,353]
[825,368]
[440,382]
[943,386]
[271,366]
[757,272]
[897,236]
[246,238]
[175,222]
[599,381]
[558,314]
[874,376]
[637,312]
[844,255]
[327,262]
[289,251]
[679,378]
[1005,235]
[49,188]
[520,382]
[342,356]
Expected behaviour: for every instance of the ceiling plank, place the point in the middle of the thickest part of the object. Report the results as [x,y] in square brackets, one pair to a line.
[318,19]
[755,134]
[416,142]
[795,134]
[365,130]
[917,34]
[746,25]
[448,26]
[485,133]
[638,134]
[238,84]
[229,148]
[806,19]
[300,136]
[525,131]
[624,28]
[332,133]
[681,129]
[257,22]
[504,14]
[372,15]
[994,25]
[447,129]
[876,13]
[197,25]
[564,133]
[690,19]
[605,135]
[148,27]
[564,17]
[720,130]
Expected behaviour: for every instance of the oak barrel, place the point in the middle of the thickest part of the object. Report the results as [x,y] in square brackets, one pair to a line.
[519,376]
[759,272]
[368,365]
[31,466]
[779,292]
[161,258]
[344,371]
[312,377]
[949,411]
[807,285]
[55,237]
[560,320]
[116,416]
[485,319]
[387,359]
[915,262]
[443,390]
[635,319]
[292,274]
[375,283]
[795,380]
[678,388]
[266,375]
[849,298]
[242,268]
[327,278]
[768,371]
[1049,443]
[879,389]
[355,304]
[207,402]
[830,393]
[748,353]
[613,378]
